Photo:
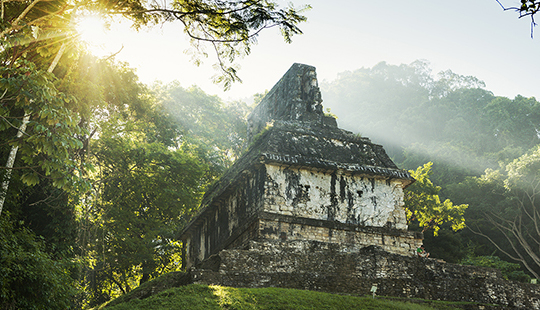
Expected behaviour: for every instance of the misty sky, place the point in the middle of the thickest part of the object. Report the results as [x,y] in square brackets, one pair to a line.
[469,37]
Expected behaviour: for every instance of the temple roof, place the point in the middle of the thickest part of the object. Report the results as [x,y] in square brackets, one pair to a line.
[321,148]
[295,97]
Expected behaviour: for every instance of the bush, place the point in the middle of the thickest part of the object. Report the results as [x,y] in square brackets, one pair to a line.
[510,271]
[29,278]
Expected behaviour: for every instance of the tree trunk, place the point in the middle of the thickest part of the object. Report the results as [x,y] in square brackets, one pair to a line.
[10,162]
[20,132]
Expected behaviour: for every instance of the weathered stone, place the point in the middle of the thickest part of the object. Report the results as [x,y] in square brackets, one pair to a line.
[331,267]
[296,97]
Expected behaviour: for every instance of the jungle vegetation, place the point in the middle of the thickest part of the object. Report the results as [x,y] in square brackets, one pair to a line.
[103,171]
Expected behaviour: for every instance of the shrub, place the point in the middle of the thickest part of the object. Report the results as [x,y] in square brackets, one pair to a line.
[29,277]
[510,271]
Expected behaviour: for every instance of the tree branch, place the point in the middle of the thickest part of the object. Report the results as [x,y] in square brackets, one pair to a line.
[479,233]
[19,168]
[179,14]
[516,233]
[18,19]
[33,22]
[521,11]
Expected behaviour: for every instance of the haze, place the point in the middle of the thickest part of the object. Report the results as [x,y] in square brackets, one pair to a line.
[469,37]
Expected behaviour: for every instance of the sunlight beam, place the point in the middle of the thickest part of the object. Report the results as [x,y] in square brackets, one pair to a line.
[95,33]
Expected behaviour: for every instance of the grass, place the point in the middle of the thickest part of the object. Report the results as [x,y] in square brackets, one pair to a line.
[196,296]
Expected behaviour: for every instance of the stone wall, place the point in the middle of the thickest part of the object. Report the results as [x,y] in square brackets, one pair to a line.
[226,218]
[353,237]
[334,268]
[337,196]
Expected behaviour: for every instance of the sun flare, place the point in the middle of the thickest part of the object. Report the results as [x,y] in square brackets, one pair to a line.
[96,35]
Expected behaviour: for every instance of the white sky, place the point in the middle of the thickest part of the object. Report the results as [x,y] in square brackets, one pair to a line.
[469,37]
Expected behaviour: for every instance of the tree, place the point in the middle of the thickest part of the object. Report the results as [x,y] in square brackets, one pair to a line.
[36,121]
[206,119]
[372,100]
[517,217]
[150,173]
[423,205]
[228,28]
[514,123]
[146,194]
[31,94]
[401,105]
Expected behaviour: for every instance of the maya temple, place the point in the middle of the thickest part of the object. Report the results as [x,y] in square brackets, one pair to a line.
[312,206]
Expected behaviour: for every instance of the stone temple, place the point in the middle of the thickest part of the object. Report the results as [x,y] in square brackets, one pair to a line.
[303,179]
[311,206]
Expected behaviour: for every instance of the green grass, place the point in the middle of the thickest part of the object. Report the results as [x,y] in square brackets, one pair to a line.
[196,296]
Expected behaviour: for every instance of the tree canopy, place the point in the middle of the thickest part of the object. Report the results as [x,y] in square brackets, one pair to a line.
[43,120]
[227,28]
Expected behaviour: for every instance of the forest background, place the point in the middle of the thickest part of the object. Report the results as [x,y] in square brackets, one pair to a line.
[107,171]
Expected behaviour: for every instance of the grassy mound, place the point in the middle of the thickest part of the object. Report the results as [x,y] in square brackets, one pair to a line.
[196,296]
[172,292]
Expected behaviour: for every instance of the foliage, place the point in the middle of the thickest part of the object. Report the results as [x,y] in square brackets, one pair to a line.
[510,271]
[447,119]
[424,206]
[517,217]
[154,152]
[447,245]
[227,28]
[36,35]
[146,192]
[48,146]
[36,119]
[29,277]
[50,214]
[363,102]
[34,31]
[218,297]
[145,185]
[206,119]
